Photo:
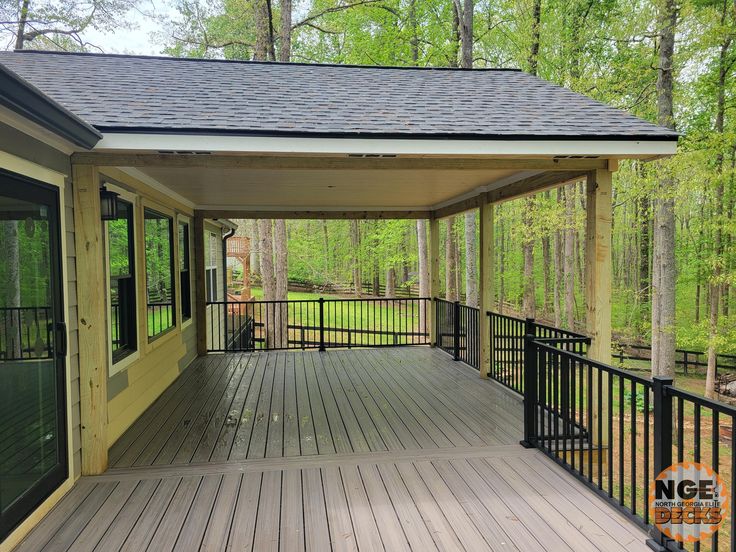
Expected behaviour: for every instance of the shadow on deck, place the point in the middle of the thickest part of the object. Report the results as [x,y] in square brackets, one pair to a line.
[373,449]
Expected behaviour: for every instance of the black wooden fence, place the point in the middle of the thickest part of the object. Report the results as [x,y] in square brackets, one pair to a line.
[316,324]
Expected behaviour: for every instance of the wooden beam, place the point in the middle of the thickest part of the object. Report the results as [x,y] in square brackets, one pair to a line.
[520,188]
[534,184]
[486,285]
[598,263]
[434,276]
[461,206]
[311,215]
[200,299]
[321,162]
[91,286]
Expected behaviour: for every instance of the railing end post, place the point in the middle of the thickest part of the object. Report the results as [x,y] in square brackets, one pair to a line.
[530,387]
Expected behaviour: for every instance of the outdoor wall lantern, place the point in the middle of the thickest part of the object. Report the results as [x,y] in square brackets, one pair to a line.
[108,204]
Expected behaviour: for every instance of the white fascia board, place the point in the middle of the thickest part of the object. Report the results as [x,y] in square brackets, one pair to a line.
[143,142]
[37,132]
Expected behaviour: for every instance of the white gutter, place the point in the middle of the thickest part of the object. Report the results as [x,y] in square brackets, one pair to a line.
[187,143]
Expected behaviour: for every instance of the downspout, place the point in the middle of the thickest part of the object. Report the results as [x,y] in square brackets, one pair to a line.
[227,235]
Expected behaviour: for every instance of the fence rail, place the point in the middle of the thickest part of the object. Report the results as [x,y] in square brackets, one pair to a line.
[25,333]
[456,328]
[316,324]
[616,431]
[683,357]
[507,346]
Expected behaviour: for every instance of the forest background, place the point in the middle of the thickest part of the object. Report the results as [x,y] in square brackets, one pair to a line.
[666,61]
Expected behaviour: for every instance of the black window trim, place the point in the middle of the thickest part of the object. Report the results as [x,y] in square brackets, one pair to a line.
[172,262]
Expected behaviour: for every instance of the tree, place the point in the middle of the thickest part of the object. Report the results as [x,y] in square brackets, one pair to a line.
[663,264]
[60,24]
[424,286]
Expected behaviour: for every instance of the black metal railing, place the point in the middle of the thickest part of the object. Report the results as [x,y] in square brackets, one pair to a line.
[316,324]
[507,346]
[160,317]
[616,430]
[25,333]
[456,330]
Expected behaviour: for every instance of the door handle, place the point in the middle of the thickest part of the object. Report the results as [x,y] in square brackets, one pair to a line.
[61,343]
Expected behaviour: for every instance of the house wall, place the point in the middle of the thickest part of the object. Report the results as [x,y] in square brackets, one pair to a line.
[215,323]
[157,363]
[25,155]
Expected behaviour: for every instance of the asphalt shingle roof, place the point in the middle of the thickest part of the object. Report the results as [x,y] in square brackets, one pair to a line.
[113,92]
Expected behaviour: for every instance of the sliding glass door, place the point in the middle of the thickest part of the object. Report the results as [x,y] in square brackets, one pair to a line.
[33,448]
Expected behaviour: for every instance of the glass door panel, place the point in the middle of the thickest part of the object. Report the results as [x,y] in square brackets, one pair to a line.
[33,459]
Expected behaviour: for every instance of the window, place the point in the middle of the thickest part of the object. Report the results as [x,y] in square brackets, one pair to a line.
[159,236]
[211,267]
[121,253]
[184,272]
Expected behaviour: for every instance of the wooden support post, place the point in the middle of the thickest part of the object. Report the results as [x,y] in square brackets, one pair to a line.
[434,277]
[598,274]
[486,285]
[598,264]
[91,286]
[200,291]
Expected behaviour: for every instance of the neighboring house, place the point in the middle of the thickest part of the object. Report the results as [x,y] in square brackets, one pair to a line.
[186,145]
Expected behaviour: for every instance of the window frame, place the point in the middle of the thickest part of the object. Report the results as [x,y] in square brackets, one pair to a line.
[173,240]
[182,220]
[210,269]
[122,363]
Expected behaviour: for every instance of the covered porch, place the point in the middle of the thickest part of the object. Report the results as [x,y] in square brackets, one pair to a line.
[365,449]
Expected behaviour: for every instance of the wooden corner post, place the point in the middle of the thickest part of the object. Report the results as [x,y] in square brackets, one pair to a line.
[200,292]
[598,274]
[434,276]
[486,287]
[598,264]
[91,286]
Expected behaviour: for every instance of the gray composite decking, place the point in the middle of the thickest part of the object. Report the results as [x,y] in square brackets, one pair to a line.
[381,449]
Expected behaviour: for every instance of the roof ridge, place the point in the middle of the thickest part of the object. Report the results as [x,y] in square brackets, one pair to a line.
[279,63]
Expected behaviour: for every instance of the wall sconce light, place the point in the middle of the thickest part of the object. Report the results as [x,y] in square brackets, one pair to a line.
[108,204]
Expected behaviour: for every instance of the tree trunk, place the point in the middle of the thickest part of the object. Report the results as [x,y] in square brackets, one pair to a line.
[466,34]
[451,291]
[265,233]
[547,272]
[534,51]
[501,265]
[20,37]
[326,245]
[281,269]
[285,50]
[643,215]
[423,270]
[12,296]
[663,258]
[559,272]
[529,301]
[263,49]
[715,283]
[569,256]
[391,282]
[255,247]
[471,264]
[355,258]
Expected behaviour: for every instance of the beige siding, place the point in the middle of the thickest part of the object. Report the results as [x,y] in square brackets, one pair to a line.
[159,362]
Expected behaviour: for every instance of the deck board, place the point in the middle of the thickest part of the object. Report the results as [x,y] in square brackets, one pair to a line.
[373,449]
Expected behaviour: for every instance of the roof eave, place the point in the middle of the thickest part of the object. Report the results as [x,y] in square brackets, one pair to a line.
[26,100]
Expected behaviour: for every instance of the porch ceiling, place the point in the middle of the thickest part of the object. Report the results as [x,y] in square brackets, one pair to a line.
[219,188]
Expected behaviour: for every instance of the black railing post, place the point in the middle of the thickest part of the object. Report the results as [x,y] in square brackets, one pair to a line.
[456,330]
[530,386]
[662,437]
[321,324]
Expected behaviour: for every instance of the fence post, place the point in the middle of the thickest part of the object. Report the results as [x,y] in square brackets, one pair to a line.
[321,324]
[530,386]
[662,437]
[456,330]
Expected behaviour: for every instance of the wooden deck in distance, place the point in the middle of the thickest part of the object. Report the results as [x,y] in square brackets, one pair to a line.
[375,449]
